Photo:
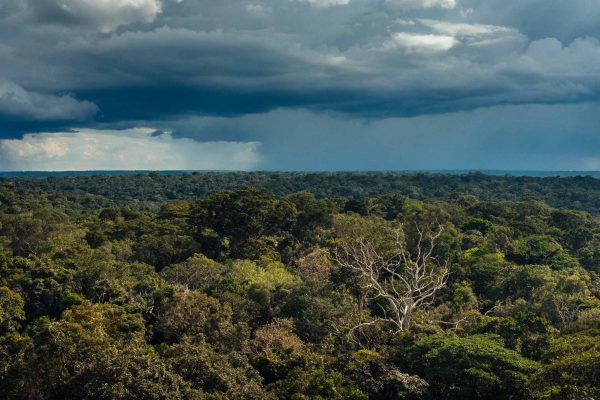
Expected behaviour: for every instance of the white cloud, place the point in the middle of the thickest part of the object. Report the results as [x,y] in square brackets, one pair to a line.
[258,10]
[421,43]
[16,101]
[130,149]
[489,43]
[440,3]
[581,58]
[327,3]
[425,34]
[458,29]
[106,15]
[422,3]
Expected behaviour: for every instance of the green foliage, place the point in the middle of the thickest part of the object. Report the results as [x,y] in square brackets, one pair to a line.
[192,315]
[277,351]
[197,272]
[373,374]
[12,311]
[478,224]
[268,274]
[238,217]
[572,368]
[463,297]
[379,231]
[316,384]
[93,351]
[199,286]
[216,376]
[589,254]
[542,249]
[471,367]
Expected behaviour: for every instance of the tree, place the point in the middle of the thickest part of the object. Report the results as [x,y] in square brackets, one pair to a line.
[478,224]
[224,376]
[542,249]
[95,351]
[571,369]
[238,218]
[160,251]
[194,316]
[11,310]
[277,350]
[406,282]
[318,384]
[372,374]
[315,268]
[590,254]
[312,213]
[472,367]
[197,272]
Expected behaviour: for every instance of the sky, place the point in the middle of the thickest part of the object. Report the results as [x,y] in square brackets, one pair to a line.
[308,85]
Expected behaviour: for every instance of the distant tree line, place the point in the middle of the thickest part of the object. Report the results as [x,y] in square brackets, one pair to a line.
[576,193]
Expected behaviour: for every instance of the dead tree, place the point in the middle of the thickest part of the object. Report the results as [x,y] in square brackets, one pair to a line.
[407,281]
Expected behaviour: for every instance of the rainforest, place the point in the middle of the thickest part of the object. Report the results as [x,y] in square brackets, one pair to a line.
[299,286]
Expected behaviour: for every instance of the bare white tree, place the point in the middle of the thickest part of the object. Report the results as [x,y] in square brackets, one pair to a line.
[407,282]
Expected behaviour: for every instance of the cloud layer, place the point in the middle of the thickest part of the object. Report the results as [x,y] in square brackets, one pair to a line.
[364,58]
[17,102]
[124,63]
[132,149]
[102,15]
[530,137]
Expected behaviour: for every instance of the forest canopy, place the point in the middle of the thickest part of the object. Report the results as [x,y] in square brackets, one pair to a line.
[299,286]
[577,193]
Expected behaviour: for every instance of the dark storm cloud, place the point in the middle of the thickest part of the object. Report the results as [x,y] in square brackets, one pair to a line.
[361,57]
[120,63]
[526,137]
[17,102]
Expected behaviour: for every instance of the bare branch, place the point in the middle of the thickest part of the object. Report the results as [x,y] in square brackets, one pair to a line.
[407,282]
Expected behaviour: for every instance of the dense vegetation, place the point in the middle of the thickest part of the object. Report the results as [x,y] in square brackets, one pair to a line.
[577,193]
[158,287]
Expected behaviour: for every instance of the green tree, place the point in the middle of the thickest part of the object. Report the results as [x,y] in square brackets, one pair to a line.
[12,311]
[472,367]
[371,373]
[192,315]
[237,217]
[95,351]
[571,368]
[218,376]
